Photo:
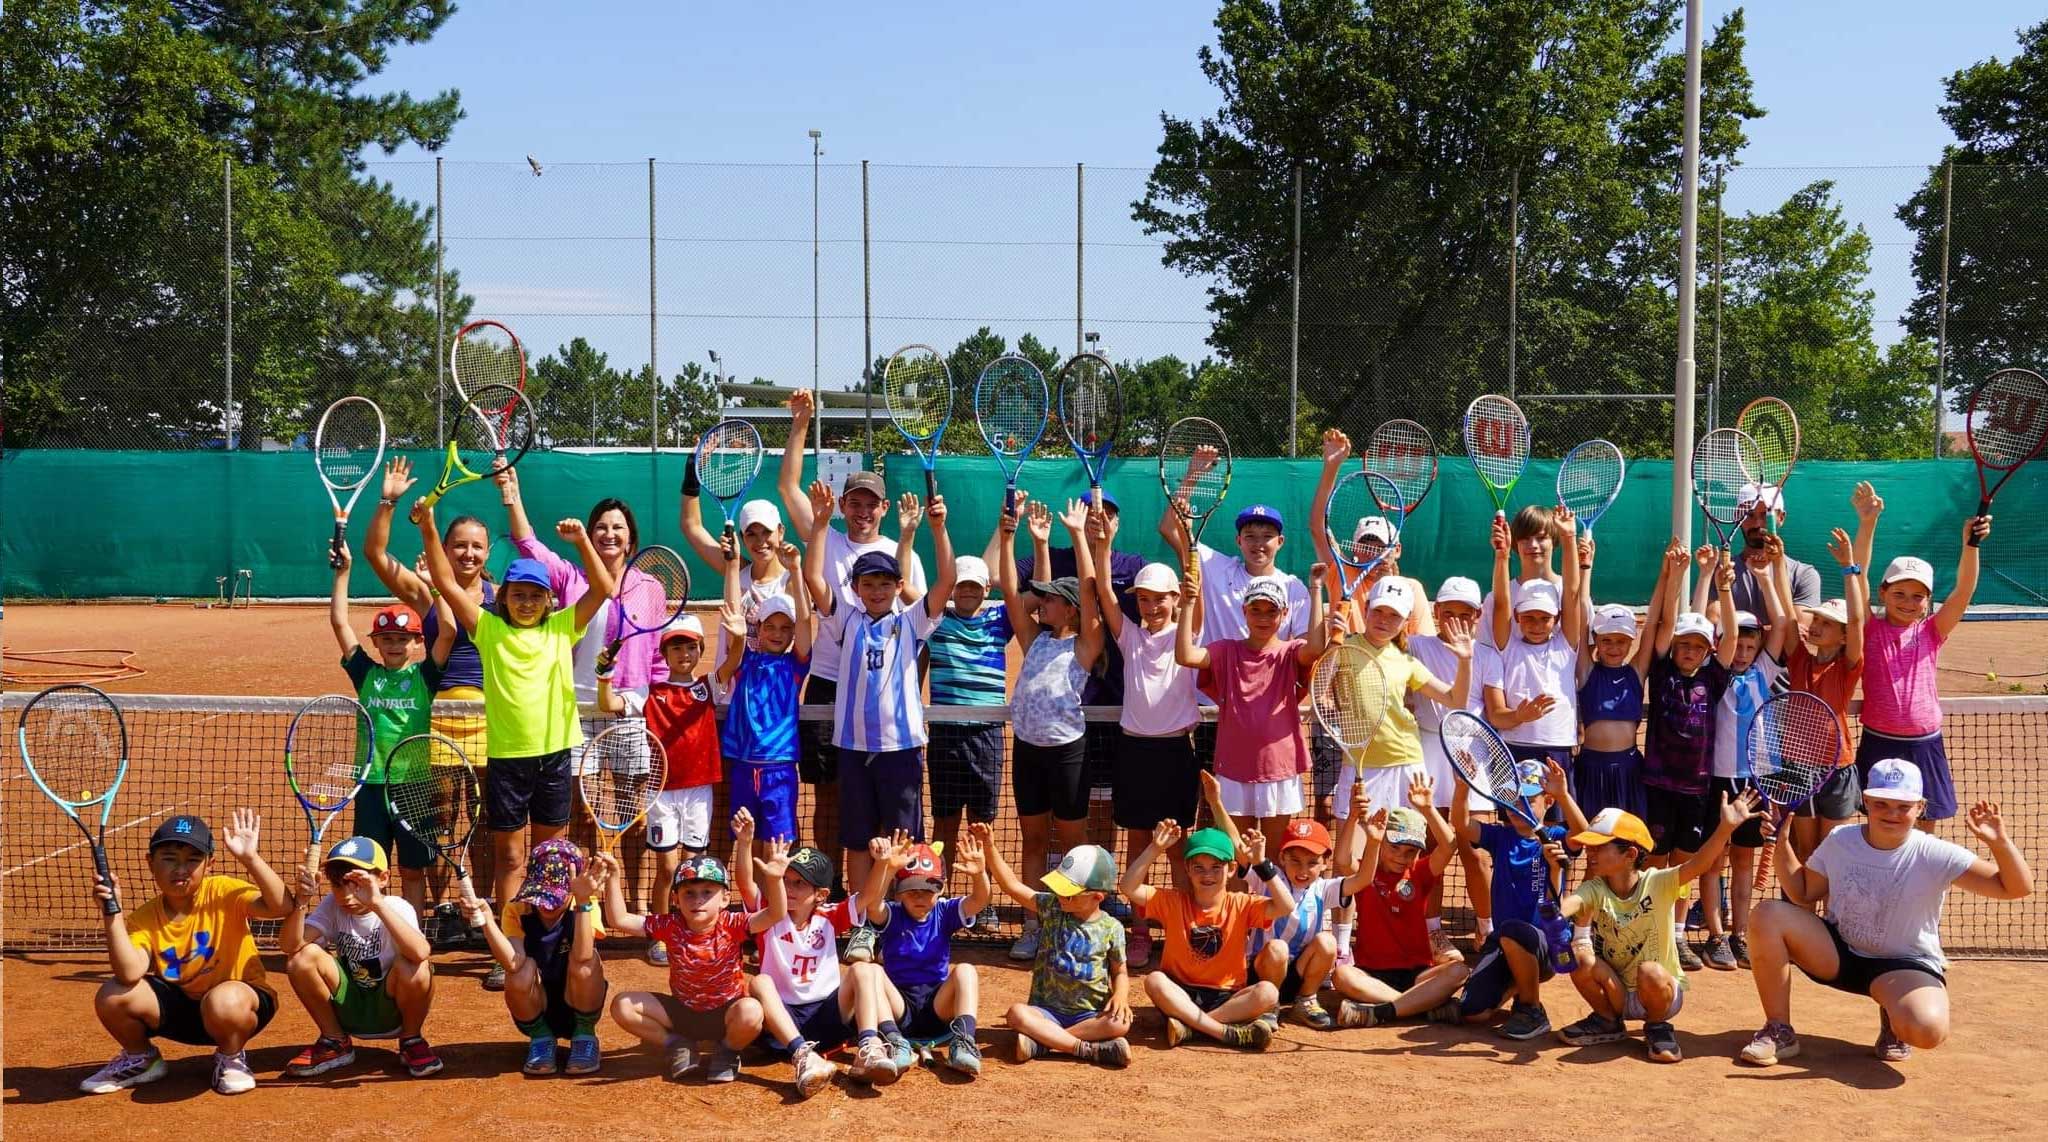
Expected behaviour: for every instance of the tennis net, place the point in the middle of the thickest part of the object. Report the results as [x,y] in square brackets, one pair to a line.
[211,755]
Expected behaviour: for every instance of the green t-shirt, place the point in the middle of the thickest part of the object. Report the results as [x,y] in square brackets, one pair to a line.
[1632,930]
[1071,974]
[399,702]
[529,686]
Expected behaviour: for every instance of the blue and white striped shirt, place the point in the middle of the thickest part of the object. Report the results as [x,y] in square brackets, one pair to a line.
[879,707]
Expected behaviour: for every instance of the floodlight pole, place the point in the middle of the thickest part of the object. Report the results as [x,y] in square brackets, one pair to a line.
[1688,267]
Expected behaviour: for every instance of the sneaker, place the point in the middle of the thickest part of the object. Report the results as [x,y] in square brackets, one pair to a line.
[1695,918]
[494,979]
[813,1073]
[1352,1013]
[1739,947]
[1112,1053]
[1662,1042]
[902,1056]
[1770,1046]
[1309,1012]
[231,1073]
[1594,1028]
[1526,1022]
[420,1059]
[1441,950]
[681,1058]
[324,1055]
[1688,959]
[873,1063]
[1251,1036]
[1176,1032]
[1138,948]
[1449,1011]
[540,1057]
[723,1066]
[125,1070]
[1719,957]
[1026,1048]
[962,1055]
[1890,1048]
[657,954]
[860,945]
[987,920]
[1026,947]
[584,1056]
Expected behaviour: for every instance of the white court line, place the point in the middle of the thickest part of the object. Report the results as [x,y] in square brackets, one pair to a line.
[82,843]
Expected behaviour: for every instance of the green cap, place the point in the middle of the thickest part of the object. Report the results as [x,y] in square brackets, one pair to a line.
[1209,842]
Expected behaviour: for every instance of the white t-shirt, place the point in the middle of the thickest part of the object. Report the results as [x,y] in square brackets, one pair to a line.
[583,654]
[840,554]
[1311,914]
[1159,693]
[1528,669]
[803,962]
[1223,582]
[362,947]
[1888,904]
[1438,659]
[1746,694]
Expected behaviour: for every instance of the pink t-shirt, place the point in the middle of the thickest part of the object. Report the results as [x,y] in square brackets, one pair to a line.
[1901,693]
[1258,717]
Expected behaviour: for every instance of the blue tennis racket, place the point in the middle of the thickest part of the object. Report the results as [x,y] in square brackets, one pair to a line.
[1488,766]
[1010,405]
[75,747]
[1091,409]
[1359,543]
[1589,480]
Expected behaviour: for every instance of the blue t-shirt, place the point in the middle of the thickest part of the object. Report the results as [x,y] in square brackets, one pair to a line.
[1521,878]
[760,721]
[921,951]
[968,665]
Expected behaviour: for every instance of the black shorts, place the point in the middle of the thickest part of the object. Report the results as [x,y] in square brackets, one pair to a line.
[966,763]
[1325,759]
[1749,834]
[373,820]
[1206,999]
[1840,798]
[817,757]
[921,1021]
[819,1023]
[1400,979]
[1680,822]
[1100,740]
[690,1023]
[1290,984]
[1492,981]
[880,793]
[1154,780]
[1859,971]
[1050,779]
[178,1017]
[518,790]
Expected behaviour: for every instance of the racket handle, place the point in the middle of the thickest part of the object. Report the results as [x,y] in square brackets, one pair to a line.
[1983,509]
[730,551]
[334,545]
[931,485]
[1500,513]
[1095,494]
[476,918]
[1009,501]
[111,906]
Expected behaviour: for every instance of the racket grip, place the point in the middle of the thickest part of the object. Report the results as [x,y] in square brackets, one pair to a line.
[1009,501]
[334,545]
[931,485]
[730,551]
[1983,509]
[111,906]
[476,918]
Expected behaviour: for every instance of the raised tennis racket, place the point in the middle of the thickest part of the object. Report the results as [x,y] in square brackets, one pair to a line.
[1497,441]
[1486,763]
[1010,406]
[1091,410]
[1724,462]
[727,460]
[2007,426]
[486,353]
[328,752]
[1194,469]
[1349,693]
[348,444]
[1794,744]
[1589,480]
[75,747]
[1775,428]
[623,768]
[1402,451]
[919,392]
[665,567]
[486,441]
[432,792]
[1356,500]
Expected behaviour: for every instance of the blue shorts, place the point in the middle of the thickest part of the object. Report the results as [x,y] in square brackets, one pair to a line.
[880,792]
[819,1023]
[1491,981]
[1065,1018]
[767,789]
[1609,779]
[1927,753]
[921,1021]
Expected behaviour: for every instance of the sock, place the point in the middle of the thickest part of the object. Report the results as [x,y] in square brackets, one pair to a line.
[586,1022]
[1435,923]
[963,1026]
[1485,924]
[1383,1013]
[867,1034]
[889,1030]
[535,1028]
[1342,933]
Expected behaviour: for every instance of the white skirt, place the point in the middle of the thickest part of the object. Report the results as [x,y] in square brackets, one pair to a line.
[1387,785]
[1280,798]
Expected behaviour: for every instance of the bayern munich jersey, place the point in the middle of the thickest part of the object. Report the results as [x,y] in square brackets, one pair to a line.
[804,963]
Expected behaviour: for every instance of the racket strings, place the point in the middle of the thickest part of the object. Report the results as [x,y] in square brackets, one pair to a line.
[666,567]
[1485,761]
[728,458]
[1590,477]
[486,354]
[1795,744]
[75,746]
[1194,462]
[1771,423]
[1350,695]
[622,769]
[1091,409]
[2008,418]
[1724,463]
[351,438]
[1355,499]
[1402,451]
[433,808]
[331,751]
[918,391]
[1009,405]
[1497,439]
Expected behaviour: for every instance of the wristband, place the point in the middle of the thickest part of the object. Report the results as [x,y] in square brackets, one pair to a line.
[690,485]
[1852,568]
[387,502]
[1265,870]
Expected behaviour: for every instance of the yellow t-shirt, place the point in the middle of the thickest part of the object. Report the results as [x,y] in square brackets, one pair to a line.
[208,945]
[1636,929]
[529,688]
[1395,742]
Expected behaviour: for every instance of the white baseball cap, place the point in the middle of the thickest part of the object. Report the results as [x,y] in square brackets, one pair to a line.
[970,569]
[1614,618]
[1458,589]
[1537,595]
[1266,587]
[1374,527]
[685,627]
[1156,577]
[1768,495]
[1894,780]
[1836,609]
[1394,594]
[1908,567]
[774,605]
[1693,622]
[1747,621]
[763,512]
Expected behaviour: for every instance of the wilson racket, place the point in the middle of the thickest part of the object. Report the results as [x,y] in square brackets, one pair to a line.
[1497,441]
[485,443]
[75,747]
[1775,428]
[1794,745]
[1194,469]
[919,392]
[486,353]
[1350,694]
[727,460]
[1010,406]
[431,791]
[1486,763]
[1402,451]
[1589,480]
[328,754]
[1363,519]
[2008,423]
[1724,463]
[623,768]
[348,444]
[665,567]
[1091,410]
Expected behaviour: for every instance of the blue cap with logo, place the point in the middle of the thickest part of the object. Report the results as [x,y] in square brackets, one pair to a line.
[1261,513]
[874,563]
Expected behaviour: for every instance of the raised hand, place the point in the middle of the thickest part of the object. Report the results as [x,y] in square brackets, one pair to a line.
[1563,524]
[1422,791]
[1075,518]
[1254,842]
[777,861]
[898,856]
[1553,779]
[1336,447]
[878,849]
[1532,709]
[571,531]
[241,835]
[1985,823]
[1866,501]
[1098,525]
[1455,633]
[1840,548]
[936,511]
[1501,539]
[1015,514]
[1704,556]
[968,854]
[307,888]
[1167,834]
[982,834]
[743,829]
[337,554]
[729,546]
[820,492]
[1587,549]
[605,661]
[1318,573]
[733,619]
[1376,826]
[397,478]
[787,554]
[1724,574]
[1675,556]
[1743,809]
[1554,854]
[909,512]
[1361,801]
[801,404]
[1203,459]
[1976,530]
[1038,521]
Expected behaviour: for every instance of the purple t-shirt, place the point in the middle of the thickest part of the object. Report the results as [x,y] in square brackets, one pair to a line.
[1679,746]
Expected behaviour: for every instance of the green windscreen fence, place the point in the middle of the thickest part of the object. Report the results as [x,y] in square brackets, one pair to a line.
[95,524]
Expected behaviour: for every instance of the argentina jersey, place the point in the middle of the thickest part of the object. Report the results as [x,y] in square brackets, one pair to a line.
[879,708]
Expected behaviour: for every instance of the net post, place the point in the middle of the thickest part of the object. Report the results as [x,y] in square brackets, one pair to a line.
[1948,182]
[1294,332]
[227,359]
[1688,267]
[653,356]
[1514,268]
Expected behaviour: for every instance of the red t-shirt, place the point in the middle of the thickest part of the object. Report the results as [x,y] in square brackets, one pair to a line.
[1832,681]
[1392,933]
[681,716]
[1258,697]
[703,967]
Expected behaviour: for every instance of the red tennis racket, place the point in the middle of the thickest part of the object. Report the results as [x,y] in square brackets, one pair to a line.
[2007,426]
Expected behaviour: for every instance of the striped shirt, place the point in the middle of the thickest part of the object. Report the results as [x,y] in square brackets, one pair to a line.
[879,707]
[1312,907]
[840,555]
[968,660]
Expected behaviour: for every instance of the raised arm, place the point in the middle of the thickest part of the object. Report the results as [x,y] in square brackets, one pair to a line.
[1976,529]
[1088,637]
[774,896]
[1336,450]
[515,507]
[1456,636]
[241,840]
[941,592]
[2006,875]
[1733,815]
[970,861]
[1657,615]
[823,597]
[1778,601]
[604,881]
[1564,526]
[1868,506]
[1855,597]
[1185,651]
[602,585]
[1724,593]
[690,517]
[439,570]
[1165,835]
[1318,616]
[1673,588]
[1422,796]
[337,606]
[803,510]
[886,856]
[1503,617]
[1000,872]
[1023,619]
[1279,898]
[799,601]
[399,579]
[1101,549]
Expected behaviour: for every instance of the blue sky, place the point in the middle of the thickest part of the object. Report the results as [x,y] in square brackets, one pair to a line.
[1850,85]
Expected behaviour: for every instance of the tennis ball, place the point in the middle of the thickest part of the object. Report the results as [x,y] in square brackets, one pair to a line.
[1991,676]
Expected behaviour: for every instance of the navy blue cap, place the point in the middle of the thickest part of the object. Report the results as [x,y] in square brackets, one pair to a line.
[874,563]
[1109,502]
[1261,513]
[183,829]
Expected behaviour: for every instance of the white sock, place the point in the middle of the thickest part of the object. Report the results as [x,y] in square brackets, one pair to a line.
[1342,932]
[1436,923]
[1485,925]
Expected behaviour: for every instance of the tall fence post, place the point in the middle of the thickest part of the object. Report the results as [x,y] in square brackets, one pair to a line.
[1948,183]
[1714,386]
[1514,269]
[653,355]
[1294,332]
[227,360]
[1688,271]
[440,307]
[1080,234]
[867,314]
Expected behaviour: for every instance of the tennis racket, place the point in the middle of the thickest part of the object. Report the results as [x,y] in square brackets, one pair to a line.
[1497,441]
[727,460]
[1723,462]
[665,567]
[919,392]
[328,752]
[623,768]
[486,353]
[486,441]
[1194,468]
[1794,745]
[1486,763]
[432,792]
[75,748]
[348,443]
[1402,451]
[1010,405]
[1091,410]
[1589,480]
[1350,694]
[1775,428]
[1354,499]
[2008,423]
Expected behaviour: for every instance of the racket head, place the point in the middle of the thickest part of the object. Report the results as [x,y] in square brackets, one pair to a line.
[2008,419]
[1496,435]
[622,769]
[1795,742]
[1349,693]
[1194,466]
[728,458]
[666,567]
[1010,406]
[500,424]
[328,752]
[1775,428]
[1488,766]
[1362,518]
[433,793]
[1725,462]
[1091,409]
[918,390]
[348,442]
[1402,451]
[74,743]
[1589,479]
[486,353]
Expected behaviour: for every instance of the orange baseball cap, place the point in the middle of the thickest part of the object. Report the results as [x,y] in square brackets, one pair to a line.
[1306,833]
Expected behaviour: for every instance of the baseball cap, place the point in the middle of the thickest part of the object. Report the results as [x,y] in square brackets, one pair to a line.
[763,512]
[1693,622]
[1066,588]
[774,605]
[1614,825]
[686,627]
[1531,773]
[1908,567]
[1458,589]
[1836,609]
[1085,868]
[1306,833]
[1109,503]
[874,563]
[359,852]
[527,571]
[970,569]
[1614,618]
[183,829]
[813,866]
[925,871]
[1405,827]
[1156,577]
[1373,527]
[706,868]
[1894,780]
[1768,495]
[1744,620]
[1261,513]
[869,482]
[1537,595]
[1268,588]
[395,619]
[1392,593]
[1209,842]
[549,869]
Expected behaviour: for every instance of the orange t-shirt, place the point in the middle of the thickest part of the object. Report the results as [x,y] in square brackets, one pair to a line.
[1832,682]
[1205,947]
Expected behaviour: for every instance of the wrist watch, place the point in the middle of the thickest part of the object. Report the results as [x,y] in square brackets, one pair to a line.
[1852,568]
